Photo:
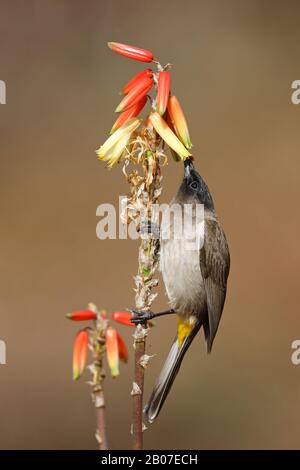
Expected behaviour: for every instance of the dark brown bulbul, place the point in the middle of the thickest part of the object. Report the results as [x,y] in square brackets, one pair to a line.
[195,263]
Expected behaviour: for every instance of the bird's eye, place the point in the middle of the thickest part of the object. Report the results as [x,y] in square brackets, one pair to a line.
[194,185]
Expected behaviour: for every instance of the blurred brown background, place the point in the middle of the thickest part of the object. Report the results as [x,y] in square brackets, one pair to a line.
[233,64]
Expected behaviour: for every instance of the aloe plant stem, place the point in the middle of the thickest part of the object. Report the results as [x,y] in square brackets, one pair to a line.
[98,375]
[145,281]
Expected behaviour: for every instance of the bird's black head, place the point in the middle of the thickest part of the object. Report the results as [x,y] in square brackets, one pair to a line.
[193,188]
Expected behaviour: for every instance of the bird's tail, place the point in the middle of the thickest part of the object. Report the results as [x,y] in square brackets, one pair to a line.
[186,334]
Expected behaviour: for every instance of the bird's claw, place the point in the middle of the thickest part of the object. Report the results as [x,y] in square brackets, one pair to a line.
[140,316]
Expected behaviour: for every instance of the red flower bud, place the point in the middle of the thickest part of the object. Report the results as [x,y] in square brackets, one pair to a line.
[130,113]
[131,51]
[112,351]
[163,91]
[136,79]
[80,353]
[82,315]
[136,94]
[123,317]
[123,352]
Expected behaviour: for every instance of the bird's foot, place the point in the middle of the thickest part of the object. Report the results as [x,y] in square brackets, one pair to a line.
[141,316]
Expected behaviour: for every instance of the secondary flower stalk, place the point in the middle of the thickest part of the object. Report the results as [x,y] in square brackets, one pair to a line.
[101,340]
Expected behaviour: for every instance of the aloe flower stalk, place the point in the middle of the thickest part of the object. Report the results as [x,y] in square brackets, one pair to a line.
[179,121]
[101,340]
[163,91]
[131,52]
[143,156]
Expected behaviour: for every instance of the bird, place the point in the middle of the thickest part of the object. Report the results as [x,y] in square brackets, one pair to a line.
[195,264]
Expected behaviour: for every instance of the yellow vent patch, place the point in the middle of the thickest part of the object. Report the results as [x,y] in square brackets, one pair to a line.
[184,328]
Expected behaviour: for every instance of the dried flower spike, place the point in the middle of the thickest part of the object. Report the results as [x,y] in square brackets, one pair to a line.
[81,315]
[135,80]
[123,352]
[179,121]
[112,351]
[136,94]
[123,317]
[163,91]
[132,52]
[132,112]
[80,353]
[168,136]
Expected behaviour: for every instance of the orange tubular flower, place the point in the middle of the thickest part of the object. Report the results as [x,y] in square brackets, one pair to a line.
[135,80]
[123,352]
[136,94]
[168,136]
[80,353]
[176,157]
[132,112]
[123,317]
[179,121]
[81,315]
[112,351]
[163,91]
[131,51]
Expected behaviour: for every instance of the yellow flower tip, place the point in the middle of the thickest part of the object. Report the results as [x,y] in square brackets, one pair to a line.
[76,374]
[114,373]
[119,108]
[114,146]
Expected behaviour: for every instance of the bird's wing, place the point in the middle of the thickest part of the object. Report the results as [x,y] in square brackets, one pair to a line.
[214,265]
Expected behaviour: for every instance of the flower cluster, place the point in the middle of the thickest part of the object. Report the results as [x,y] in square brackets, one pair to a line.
[100,338]
[166,116]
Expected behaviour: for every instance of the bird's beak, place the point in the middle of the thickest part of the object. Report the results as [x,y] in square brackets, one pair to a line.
[188,166]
